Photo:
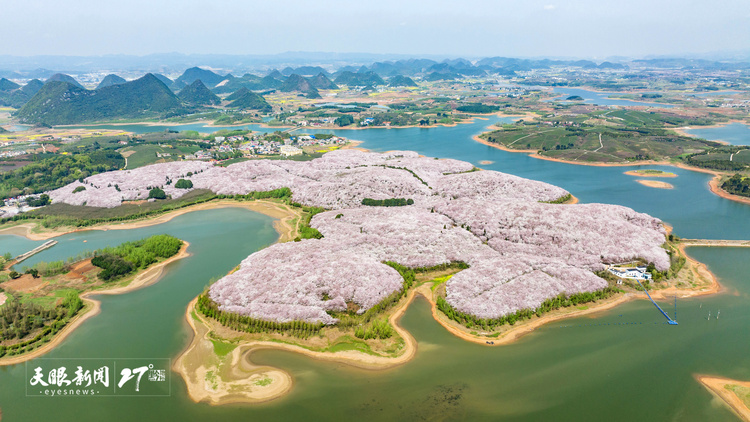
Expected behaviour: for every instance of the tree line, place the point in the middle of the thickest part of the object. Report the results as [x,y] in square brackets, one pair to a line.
[557,302]
[19,319]
[301,329]
[390,202]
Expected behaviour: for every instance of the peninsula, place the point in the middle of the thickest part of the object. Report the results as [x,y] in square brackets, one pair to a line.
[496,255]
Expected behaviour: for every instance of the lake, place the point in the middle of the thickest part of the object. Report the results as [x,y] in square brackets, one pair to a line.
[733,133]
[603,98]
[622,365]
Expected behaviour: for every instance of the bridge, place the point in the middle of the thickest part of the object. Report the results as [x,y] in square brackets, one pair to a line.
[670,321]
[46,245]
[716,242]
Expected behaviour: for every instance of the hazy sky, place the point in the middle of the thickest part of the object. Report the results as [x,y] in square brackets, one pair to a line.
[583,28]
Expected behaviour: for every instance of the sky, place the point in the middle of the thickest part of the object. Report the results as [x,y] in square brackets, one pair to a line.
[467,28]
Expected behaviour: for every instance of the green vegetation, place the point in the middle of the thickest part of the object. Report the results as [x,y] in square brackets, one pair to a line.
[157,193]
[57,215]
[197,94]
[345,120]
[380,329]
[50,173]
[183,184]
[31,325]
[38,201]
[478,108]
[737,185]
[488,324]
[122,260]
[596,143]
[250,100]
[305,231]
[149,153]
[724,158]
[561,200]
[390,202]
[210,309]
[112,266]
[59,103]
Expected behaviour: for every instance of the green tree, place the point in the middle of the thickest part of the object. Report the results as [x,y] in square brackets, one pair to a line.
[157,193]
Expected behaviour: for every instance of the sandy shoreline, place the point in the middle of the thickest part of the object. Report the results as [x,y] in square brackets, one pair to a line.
[716,189]
[92,307]
[713,184]
[272,209]
[198,391]
[655,184]
[640,173]
[309,129]
[717,387]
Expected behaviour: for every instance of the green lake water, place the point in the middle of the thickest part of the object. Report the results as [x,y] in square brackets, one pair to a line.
[622,365]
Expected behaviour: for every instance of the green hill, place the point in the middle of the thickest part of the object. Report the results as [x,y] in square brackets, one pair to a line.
[197,94]
[358,79]
[208,77]
[6,85]
[296,82]
[165,80]
[250,100]
[32,87]
[400,80]
[61,77]
[110,80]
[14,95]
[237,94]
[59,103]
[321,81]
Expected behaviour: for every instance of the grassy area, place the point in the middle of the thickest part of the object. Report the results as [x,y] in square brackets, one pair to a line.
[743,393]
[143,155]
[56,215]
[597,143]
[222,348]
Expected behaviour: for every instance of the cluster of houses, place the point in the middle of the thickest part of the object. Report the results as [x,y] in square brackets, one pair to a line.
[260,145]
[15,205]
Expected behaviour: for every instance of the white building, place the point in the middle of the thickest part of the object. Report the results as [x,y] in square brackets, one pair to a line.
[636,273]
[288,150]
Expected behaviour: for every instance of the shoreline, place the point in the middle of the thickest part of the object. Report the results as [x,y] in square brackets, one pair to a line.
[684,129]
[198,392]
[271,209]
[717,387]
[655,184]
[146,278]
[713,184]
[639,173]
[209,123]
[241,355]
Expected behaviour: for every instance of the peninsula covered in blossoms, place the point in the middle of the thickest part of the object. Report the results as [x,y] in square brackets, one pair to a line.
[493,253]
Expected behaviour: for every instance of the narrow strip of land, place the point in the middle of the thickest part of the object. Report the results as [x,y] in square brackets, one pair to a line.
[716,242]
[720,387]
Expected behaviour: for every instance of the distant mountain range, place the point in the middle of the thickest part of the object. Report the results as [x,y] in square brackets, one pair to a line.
[59,102]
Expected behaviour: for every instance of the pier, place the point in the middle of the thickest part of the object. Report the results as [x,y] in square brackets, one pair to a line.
[46,245]
[716,242]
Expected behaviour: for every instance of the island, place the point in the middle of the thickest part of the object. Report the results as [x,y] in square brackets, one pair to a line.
[495,254]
